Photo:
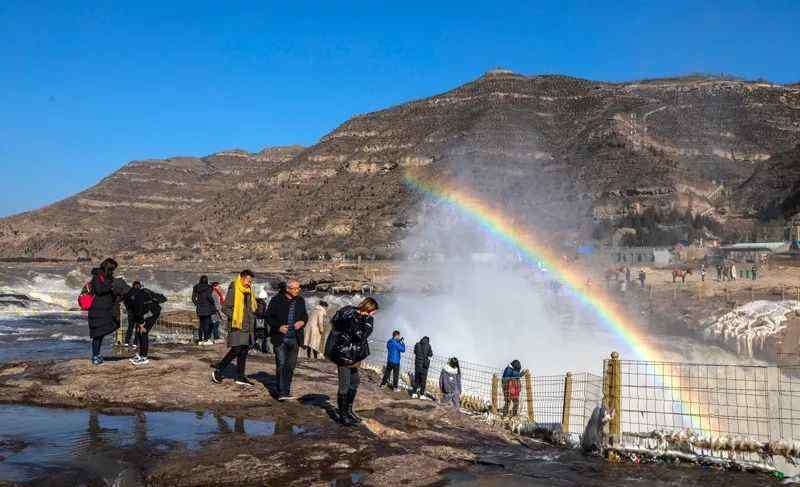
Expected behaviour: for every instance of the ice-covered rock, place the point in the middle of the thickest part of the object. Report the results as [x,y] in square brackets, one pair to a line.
[752,324]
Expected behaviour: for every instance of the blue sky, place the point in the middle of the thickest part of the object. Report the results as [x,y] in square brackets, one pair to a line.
[85,88]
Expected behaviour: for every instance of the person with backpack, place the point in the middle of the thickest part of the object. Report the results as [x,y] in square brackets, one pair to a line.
[450,383]
[394,348]
[241,308]
[100,297]
[512,387]
[347,346]
[203,299]
[146,308]
[422,362]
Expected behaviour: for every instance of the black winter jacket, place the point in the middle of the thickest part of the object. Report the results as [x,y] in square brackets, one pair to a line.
[203,299]
[349,337]
[423,354]
[146,303]
[278,313]
[102,315]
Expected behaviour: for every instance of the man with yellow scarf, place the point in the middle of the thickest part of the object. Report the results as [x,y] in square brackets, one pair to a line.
[240,307]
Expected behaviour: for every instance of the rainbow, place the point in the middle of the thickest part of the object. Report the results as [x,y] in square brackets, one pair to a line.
[502,227]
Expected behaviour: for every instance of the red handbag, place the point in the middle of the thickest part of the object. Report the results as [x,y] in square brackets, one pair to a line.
[86,297]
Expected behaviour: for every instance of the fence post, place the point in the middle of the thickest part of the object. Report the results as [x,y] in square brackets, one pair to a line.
[495,391]
[612,390]
[119,336]
[565,410]
[529,394]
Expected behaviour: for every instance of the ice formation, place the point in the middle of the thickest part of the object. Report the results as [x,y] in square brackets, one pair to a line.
[750,325]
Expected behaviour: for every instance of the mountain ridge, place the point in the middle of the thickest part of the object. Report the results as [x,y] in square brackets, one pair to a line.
[560,152]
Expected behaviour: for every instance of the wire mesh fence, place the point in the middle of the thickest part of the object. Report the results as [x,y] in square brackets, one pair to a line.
[567,400]
[716,399]
[716,411]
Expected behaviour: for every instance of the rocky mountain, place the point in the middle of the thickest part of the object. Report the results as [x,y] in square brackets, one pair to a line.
[553,151]
[142,195]
[773,191]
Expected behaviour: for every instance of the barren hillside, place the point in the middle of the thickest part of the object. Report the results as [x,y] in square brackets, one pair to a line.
[556,151]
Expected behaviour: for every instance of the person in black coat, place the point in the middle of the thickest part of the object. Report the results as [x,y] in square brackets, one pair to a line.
[128,302]
[347,346]
[146,309]
[286,316]
[422,362]
[206,308]
[103,316]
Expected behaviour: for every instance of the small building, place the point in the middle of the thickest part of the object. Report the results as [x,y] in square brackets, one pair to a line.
[641,255]
[755,252]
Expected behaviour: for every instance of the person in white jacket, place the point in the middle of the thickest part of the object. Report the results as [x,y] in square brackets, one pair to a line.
[315,330]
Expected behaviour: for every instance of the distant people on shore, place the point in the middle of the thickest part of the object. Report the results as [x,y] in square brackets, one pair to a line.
[395,346]
[241,308]
[286,316]
[450,383]
[754,271]
[347,347]
[203,299]
[315,329]
[106,293]
[422,362]
[146,309]
[512,388]
[216,318]
[128,302]
[642,278]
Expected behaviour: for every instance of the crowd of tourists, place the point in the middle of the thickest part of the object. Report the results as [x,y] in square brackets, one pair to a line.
[287,325]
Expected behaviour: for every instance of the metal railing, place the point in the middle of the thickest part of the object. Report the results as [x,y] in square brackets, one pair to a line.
[567,400]
[724,413]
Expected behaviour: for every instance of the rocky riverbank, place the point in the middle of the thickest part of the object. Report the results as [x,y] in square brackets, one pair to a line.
[401,441]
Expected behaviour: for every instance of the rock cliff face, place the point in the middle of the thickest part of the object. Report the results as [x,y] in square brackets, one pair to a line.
[774,188]
[129,204]
[548,149]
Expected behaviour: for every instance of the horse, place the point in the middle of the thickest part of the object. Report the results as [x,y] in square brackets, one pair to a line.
[676,273]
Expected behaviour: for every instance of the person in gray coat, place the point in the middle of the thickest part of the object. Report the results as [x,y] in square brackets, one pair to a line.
[450,383]
[240,307]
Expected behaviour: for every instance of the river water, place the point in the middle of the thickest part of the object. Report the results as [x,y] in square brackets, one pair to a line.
[39,320]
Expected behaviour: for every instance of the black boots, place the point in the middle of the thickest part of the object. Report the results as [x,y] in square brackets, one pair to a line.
[343,416]
[351,397]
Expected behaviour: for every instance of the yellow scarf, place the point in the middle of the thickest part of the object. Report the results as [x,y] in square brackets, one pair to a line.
[239,291]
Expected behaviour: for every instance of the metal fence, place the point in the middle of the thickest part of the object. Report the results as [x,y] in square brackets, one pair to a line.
[724,413]
[566,400]
[748,414]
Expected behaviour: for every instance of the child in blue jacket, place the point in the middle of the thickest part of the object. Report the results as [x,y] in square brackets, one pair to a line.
[394,347]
